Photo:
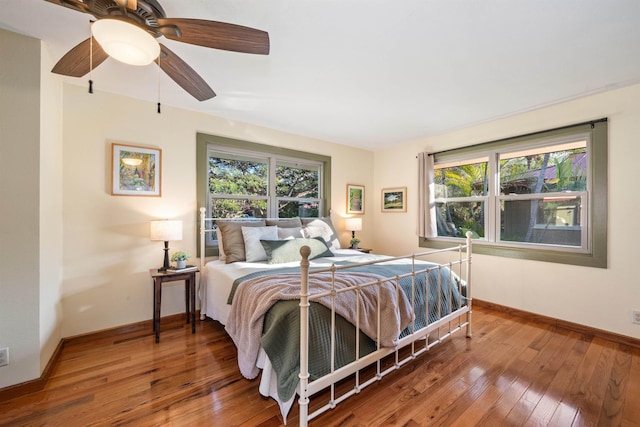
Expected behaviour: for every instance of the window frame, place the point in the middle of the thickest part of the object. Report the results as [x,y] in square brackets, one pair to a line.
[206,142]
[596,197]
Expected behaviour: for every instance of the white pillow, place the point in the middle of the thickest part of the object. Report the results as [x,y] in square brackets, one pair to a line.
[321,227]
[289,233]
[221,255]
[252,246]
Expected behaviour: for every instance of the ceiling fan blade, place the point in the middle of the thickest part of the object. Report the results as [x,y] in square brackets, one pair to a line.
[184,75]
[72,4]
[217,35]
[77,62]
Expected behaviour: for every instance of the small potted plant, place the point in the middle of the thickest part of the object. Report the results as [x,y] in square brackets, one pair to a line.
[180,258]
[354,243]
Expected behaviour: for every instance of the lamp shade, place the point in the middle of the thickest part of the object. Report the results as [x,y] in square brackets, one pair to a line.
[165,230]
[125,42]
[353,224]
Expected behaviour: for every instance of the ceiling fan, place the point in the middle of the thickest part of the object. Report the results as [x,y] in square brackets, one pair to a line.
[149,16]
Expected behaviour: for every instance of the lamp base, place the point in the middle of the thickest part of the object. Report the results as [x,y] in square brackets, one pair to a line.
[165,265]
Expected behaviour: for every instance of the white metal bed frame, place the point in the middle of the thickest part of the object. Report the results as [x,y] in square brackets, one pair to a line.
[453,323]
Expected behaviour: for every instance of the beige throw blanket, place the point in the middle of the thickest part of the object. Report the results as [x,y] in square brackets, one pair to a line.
[254,297]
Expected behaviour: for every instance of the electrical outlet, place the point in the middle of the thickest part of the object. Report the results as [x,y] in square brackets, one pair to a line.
[4,356]
[635,316]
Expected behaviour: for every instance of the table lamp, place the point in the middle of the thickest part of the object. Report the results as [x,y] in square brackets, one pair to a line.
[353,225]
[165,230]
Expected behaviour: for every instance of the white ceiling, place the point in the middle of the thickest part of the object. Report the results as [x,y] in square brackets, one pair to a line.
[374,73]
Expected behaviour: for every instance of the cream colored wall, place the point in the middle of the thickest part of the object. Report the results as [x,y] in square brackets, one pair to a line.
[600,298]
[19,206]
[50,208]
[107,252]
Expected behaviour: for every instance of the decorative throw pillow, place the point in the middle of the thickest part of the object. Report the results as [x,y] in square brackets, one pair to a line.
[289,233]
[252,235]
[232,239]
[321,227]
[281,251]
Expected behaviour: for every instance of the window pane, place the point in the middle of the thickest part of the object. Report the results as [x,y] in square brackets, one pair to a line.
[294,208]
[461,180]
[552,169]
[301,181]
[551,220]
[456,218]
[237,175]
[238,208]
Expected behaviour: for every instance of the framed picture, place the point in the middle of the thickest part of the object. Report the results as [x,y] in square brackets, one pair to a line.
[135,170]
[394,199]
[355,199]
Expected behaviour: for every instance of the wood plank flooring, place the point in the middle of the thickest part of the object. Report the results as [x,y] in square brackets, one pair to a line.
[513,372]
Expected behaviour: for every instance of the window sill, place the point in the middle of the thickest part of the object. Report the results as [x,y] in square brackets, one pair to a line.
[596,260]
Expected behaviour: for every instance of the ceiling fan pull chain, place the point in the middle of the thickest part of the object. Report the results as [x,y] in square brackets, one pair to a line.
[159,83]
[90,60]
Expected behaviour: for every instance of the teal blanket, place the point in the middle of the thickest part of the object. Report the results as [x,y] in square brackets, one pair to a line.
[281,331]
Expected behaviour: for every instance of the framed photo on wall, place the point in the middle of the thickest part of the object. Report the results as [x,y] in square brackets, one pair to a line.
[136,171]
[355,199]
[394,199]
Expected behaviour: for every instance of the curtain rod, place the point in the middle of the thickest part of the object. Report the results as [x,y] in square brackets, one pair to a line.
[590,122]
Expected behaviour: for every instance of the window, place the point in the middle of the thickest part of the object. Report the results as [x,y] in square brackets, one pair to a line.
[542,192]
[461,193]
[239,185]
[241,179]
[298,189]
[540,196]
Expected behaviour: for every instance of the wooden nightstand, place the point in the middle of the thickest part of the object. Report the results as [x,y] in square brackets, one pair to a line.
[159,277]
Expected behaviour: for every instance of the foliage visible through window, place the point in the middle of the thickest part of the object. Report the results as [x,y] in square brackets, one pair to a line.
[253,186]
[238,186]
[556,179]
[541,197]
[461,194]
[297,190]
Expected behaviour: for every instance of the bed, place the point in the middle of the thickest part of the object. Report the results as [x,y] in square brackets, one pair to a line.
[306,314]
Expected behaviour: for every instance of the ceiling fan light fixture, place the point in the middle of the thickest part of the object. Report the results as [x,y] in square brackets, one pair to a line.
[125,42]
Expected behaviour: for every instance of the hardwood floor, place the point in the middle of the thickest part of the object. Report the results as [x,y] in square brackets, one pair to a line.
[512,372]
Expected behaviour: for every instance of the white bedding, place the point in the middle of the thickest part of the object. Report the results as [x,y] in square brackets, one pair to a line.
[217,279]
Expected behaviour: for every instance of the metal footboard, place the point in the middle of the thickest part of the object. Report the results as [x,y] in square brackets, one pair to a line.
[418,341]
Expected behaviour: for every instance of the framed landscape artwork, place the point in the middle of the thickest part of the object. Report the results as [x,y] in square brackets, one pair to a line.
[355,199]
[135,170]
[394,199]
